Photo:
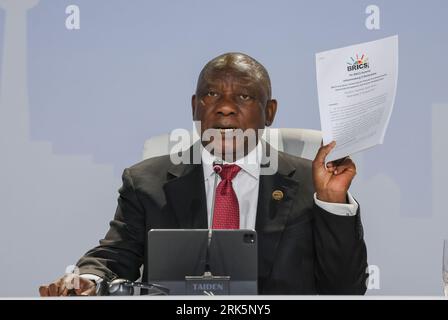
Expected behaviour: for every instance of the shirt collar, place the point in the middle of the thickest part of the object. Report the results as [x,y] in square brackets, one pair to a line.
[250,163]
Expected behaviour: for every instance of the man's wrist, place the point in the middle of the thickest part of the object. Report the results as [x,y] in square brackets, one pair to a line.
[332,197]
[340,209]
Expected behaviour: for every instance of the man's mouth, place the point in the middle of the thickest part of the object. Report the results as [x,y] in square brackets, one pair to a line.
[225,130]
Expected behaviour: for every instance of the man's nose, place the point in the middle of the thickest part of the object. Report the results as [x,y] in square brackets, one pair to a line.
[226,107]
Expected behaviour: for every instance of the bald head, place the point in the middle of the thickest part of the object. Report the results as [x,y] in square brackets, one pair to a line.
[238,64]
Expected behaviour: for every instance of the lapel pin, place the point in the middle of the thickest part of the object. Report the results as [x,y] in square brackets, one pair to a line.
[277,195]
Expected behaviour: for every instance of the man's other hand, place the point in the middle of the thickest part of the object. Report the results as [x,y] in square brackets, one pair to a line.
[69,285]
[332,182]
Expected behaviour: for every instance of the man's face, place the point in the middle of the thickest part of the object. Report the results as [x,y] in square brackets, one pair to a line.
[230,99]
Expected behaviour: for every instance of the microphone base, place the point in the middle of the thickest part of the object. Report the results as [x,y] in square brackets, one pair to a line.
[207,284]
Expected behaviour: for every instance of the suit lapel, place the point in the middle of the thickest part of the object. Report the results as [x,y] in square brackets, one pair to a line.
[272,215]
[185,194]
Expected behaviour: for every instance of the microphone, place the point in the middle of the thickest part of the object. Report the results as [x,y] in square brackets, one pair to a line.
[217,168]
[123,287]
[208,280]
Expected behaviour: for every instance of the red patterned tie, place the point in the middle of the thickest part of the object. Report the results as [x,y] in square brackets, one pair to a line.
[227,210]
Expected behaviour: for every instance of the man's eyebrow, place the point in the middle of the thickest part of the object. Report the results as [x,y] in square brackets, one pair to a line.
[247,81]
[246,86]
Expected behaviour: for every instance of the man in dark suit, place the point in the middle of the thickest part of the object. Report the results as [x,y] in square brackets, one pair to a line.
[310,235]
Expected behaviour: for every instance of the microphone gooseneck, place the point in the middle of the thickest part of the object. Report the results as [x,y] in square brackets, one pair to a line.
[217,168]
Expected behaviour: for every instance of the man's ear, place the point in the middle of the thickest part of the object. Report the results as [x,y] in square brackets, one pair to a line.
[193,105]
[270,111]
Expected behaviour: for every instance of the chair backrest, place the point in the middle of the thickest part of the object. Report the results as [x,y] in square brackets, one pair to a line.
[302,143]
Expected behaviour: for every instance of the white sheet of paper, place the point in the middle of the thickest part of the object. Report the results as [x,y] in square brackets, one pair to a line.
[356,89]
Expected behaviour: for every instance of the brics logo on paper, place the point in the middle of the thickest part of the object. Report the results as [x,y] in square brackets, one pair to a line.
[358,63]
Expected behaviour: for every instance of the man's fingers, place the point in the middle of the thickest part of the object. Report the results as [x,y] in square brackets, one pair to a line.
[53,289]
[60,287]
[72,281]
[66,288]
[43,291]
[346,164]
[323,153]
[84,285]
[330,166]
[89,292]
[70,284]
[64,292]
